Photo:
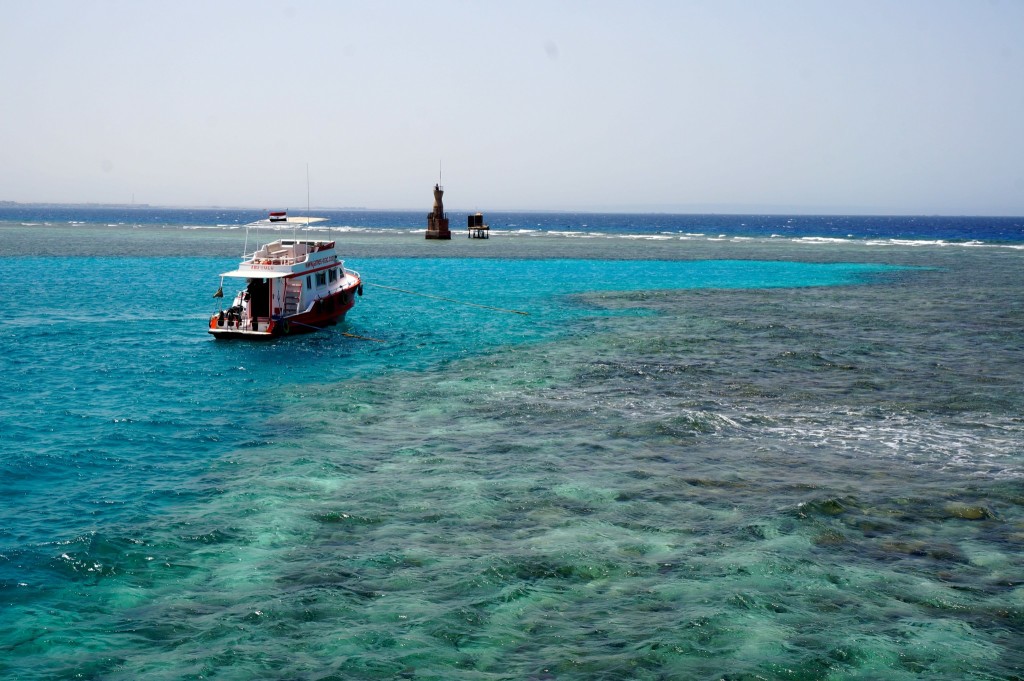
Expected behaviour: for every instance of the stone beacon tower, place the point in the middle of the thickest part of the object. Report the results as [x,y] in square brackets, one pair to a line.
[437,221]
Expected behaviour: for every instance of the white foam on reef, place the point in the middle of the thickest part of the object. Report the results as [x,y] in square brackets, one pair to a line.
[940,243]
[514,230]
[969,447]
[352,229]
[573,235]
[908,242]
[820,240]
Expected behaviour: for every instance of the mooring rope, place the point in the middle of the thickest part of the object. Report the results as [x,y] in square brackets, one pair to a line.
[352,335]
[450,300]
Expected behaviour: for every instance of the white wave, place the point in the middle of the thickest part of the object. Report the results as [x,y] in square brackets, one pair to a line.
[820,240]
[516,230]
[907,242]
[571,235]
[939,243]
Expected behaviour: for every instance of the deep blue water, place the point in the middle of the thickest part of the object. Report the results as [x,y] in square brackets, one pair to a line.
[950,228]
[775,458]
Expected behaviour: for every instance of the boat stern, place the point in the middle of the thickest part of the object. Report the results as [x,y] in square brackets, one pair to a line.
[227,324]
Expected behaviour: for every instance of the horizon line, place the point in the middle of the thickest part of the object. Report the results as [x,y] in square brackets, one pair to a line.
[776,211]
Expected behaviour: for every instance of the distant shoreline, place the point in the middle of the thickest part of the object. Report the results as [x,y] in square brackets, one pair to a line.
[147,206]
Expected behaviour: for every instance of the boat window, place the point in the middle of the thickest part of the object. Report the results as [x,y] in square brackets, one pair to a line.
[309,281]
[321,278]
[332,274]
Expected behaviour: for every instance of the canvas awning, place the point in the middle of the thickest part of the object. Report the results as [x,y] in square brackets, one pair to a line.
[290,220]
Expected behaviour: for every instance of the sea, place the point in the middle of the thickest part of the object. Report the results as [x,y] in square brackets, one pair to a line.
[590,447]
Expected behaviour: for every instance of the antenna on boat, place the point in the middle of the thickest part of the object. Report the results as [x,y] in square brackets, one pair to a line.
[307,199]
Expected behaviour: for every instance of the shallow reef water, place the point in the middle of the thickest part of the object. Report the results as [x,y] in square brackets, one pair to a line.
[692,459]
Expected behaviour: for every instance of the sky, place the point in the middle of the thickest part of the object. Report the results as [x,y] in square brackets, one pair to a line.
[689,106]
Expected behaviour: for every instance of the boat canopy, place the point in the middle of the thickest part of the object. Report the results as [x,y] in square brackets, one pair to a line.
[256,274]
[290,220]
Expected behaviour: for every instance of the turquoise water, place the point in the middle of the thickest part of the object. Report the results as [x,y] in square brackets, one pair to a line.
[746,460]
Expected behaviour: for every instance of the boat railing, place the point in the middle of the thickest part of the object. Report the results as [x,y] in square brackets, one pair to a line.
[257,259]
[262,257]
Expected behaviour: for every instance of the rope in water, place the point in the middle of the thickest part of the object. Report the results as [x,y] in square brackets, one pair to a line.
[350,335]
[450,300]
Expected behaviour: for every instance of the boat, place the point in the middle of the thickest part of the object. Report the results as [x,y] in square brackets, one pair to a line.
[292,286]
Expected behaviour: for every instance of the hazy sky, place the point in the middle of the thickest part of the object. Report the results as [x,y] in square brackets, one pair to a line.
[830,106]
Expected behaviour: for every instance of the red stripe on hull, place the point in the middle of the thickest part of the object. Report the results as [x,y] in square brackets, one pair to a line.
[308,322]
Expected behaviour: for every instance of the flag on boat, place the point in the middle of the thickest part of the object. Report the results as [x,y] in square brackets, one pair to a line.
[279,216]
